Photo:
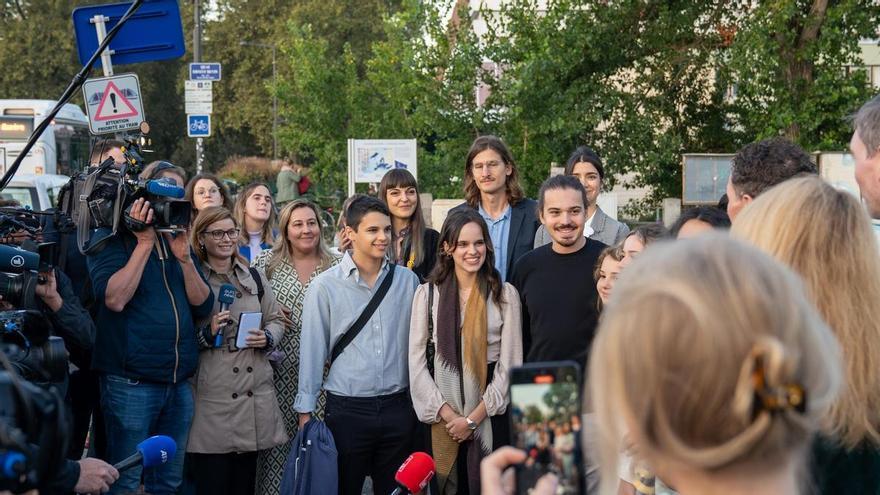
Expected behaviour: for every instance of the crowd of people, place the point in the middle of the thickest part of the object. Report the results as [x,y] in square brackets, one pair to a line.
[733,353]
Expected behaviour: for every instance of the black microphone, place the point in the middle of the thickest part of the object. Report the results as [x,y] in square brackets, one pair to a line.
[151,452]
[226,297]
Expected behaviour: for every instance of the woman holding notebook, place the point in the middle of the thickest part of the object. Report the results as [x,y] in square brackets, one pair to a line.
[236,410]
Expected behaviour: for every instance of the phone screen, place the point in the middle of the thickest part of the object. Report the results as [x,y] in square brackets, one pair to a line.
[545,415]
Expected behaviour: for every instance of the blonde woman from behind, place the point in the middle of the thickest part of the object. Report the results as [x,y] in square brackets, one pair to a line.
[825,236]
[712,367]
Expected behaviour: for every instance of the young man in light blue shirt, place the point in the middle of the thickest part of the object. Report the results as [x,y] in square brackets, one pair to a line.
[369,410]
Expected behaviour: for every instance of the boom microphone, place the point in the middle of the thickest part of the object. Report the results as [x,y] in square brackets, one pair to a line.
[151,452]
[414,474]
[226,297]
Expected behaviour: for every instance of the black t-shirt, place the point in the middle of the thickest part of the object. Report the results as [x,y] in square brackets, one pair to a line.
[558,296]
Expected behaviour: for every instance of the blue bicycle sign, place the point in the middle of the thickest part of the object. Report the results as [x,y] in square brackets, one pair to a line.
[198,125]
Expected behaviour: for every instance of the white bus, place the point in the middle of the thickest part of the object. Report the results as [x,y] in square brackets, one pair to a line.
[63,148]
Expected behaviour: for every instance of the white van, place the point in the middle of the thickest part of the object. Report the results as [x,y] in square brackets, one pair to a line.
[37,192]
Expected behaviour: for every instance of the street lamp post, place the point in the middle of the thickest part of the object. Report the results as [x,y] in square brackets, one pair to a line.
[274,93]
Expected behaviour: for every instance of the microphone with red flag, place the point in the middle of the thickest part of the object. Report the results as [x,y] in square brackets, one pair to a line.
[414,474]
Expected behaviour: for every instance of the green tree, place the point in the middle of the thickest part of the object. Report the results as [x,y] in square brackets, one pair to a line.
[39,55]
[788,63]
[634,80]
[40,59]
[562,400]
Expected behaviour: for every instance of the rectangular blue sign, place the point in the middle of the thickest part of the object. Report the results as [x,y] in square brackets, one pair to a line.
[204,72]
[198,125]
[154,32]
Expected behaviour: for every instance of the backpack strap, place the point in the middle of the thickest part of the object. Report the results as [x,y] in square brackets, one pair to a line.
[367,313]
[259,281]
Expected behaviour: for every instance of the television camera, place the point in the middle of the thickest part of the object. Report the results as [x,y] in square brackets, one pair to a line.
[103,196]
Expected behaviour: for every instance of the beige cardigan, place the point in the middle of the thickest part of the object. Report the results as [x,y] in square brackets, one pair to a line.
[505,349]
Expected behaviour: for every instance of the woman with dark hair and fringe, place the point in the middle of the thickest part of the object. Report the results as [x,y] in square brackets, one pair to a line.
[474,319]
[695,221]
[414,245]
[299,255]
[586,166]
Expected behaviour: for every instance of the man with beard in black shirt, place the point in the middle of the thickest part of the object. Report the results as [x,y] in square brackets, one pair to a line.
[555,281]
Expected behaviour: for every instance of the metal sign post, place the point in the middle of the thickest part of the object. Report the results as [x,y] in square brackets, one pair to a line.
[101,27]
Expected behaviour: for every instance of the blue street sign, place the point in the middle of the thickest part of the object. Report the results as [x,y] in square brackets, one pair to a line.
[154,32]
[198,125]
[204,72]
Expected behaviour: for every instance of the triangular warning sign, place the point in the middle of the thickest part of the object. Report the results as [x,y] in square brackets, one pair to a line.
[114,105]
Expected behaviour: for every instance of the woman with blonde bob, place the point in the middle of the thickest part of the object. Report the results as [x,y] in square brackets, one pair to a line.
[713,375]
[825,236]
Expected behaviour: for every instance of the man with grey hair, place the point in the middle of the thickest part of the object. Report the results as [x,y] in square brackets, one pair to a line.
[864,146]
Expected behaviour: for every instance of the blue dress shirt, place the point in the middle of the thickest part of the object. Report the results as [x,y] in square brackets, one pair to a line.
[499,231]
[376,362]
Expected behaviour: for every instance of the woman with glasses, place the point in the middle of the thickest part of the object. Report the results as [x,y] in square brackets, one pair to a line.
[255,213]
[236,410]
[206,190]
[298,256]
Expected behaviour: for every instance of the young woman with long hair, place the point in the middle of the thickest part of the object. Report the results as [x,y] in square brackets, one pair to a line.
[462,389]
[255,212]
[206,190]
[606,272]
[414,245]
[298,256]
[840,267]
[236,409]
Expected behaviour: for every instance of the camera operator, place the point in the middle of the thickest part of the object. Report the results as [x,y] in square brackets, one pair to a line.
[83,395]
[148,289]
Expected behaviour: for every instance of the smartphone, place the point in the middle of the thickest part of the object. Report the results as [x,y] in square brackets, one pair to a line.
[545,417]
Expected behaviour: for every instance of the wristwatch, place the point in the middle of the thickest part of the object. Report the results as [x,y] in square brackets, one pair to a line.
[471,424]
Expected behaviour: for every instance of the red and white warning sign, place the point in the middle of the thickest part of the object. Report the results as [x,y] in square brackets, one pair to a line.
[114,104]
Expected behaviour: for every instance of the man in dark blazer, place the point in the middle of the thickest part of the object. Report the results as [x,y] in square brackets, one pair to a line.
[491,186]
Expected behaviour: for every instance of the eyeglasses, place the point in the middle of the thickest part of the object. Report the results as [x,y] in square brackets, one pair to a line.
[218,234]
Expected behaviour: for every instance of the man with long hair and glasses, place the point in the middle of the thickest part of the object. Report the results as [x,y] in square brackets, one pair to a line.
[491,186]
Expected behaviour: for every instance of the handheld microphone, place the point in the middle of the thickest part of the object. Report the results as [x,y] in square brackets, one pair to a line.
[151,452]
[164,187]
[226,297]
[414,474]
